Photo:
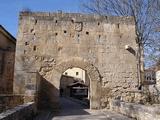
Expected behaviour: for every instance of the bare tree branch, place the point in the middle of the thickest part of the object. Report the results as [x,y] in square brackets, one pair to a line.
[146,14]
[146,20]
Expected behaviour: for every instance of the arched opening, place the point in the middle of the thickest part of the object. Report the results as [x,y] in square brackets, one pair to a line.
[75,85]
[53,79]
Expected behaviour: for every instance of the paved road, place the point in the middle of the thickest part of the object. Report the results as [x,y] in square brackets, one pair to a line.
[73,111]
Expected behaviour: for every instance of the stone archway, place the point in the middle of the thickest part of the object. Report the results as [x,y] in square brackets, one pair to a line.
[55,74]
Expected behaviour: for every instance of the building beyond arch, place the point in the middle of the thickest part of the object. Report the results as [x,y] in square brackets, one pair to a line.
[52,80]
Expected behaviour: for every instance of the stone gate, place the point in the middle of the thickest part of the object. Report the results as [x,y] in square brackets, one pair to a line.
[50,43]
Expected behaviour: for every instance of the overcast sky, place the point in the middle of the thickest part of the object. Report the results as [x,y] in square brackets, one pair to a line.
[10,10]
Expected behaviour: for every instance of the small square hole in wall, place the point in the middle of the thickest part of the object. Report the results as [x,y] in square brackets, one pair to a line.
[77,73]
[72,21]
[32,30]
[26,43]
[56,21]
[87,33]
[34,48]
[65,31]
[56,34]
[98,23]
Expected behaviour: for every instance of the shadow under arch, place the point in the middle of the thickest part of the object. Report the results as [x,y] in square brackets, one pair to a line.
[54,76]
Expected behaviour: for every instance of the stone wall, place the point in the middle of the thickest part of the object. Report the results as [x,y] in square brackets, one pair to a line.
[138,111]
[22,112]
[10,101]
[50,43]
[6,71]
[45,94]
[7,59]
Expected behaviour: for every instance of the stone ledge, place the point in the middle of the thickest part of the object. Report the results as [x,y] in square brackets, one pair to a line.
[138,111]
[21,112]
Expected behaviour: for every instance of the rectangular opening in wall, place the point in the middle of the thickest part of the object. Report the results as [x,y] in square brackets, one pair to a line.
[77,73]
[34,48]
[35,22]
[118,25]
[65,31]
[87,33]
[26,43]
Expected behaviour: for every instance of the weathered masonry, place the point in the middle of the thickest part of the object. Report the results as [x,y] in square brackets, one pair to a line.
[50,43]
[7,56]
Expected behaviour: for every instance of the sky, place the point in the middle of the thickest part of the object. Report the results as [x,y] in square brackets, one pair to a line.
[10,10]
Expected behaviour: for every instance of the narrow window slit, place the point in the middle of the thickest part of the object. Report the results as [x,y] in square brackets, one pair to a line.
[77,73]
[34,48]
[118,26]
[35,22]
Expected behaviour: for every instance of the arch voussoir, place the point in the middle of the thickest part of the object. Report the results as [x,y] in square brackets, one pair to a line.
[92,71]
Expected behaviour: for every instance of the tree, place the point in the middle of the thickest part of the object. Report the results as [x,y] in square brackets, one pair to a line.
[154,48]
[144,15]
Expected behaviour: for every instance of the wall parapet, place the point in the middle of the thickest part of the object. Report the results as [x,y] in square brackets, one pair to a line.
[79,17]
[137,111]
[21,112]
